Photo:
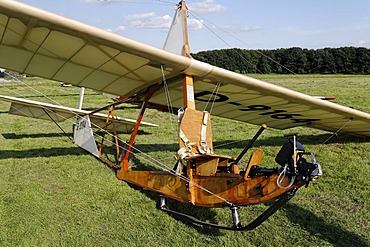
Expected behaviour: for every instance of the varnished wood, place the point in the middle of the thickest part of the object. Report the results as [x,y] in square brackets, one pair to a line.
[232,188]
[235,169]
[206,167]
[148,95]
[186,48]
[254,160]
[191,124]
[110,120]
[209,182]
[188,91]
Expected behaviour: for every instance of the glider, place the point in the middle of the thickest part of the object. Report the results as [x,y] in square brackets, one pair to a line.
[43,44]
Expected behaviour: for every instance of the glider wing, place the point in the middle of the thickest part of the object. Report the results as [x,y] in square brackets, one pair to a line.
[43,44]
[40,110]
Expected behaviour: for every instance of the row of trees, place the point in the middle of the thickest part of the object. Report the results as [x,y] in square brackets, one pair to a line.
[344,60]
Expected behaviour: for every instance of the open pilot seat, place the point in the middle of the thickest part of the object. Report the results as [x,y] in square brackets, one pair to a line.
[195,145]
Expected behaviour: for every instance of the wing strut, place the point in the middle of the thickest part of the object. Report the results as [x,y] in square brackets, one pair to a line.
[81,99]
[126,156]
[111,118]
[250,144]
[60,127]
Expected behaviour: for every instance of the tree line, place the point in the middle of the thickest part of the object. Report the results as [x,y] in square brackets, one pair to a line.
[344,60]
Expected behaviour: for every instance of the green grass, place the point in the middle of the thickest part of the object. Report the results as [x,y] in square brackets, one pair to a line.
[54,194]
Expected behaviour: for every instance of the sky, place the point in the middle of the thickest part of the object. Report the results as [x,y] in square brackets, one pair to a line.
[222,24]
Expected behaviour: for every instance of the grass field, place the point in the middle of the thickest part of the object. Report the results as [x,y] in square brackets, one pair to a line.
[54,194]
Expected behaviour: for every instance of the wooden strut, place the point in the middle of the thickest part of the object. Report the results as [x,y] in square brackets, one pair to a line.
[110,118]
[208,179]
[124,163]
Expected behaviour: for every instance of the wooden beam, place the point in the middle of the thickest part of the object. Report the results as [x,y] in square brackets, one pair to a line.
[186,47]
[148,95]
[188,88]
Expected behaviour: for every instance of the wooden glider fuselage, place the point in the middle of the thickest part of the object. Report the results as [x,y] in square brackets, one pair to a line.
[234,188]
[206,179]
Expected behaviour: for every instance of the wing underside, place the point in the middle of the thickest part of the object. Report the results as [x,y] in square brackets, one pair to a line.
[43,44]
[275,106]
[40,110]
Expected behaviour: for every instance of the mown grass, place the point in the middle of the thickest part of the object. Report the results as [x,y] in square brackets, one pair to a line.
[54,194]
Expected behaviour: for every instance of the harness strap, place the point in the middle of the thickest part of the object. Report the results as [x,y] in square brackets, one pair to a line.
[191,148]
[189,145]
[181,154]
[203,134]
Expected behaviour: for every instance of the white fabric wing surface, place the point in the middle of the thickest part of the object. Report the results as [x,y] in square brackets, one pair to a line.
[43,44]
[39,110]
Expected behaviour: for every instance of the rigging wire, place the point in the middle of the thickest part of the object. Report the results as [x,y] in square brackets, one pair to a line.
[228,143]
[214,94]
[236,50]
[151,160]
[223,40]
[168,96]
[60,127]
[167,2]
[336,133]
[212,97]
[169,104]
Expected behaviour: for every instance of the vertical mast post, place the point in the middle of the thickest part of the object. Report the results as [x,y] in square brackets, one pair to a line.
[186,47]
[188,87]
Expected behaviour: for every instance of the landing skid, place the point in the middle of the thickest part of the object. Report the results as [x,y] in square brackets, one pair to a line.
[237,225]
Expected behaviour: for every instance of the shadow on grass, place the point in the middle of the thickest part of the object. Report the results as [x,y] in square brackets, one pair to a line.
[38,135]
[317,226]
[131,106]
[204,214]
[41,152]
[307,221]
[267,142]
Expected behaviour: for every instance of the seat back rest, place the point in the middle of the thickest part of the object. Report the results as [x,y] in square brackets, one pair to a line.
[196,131]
